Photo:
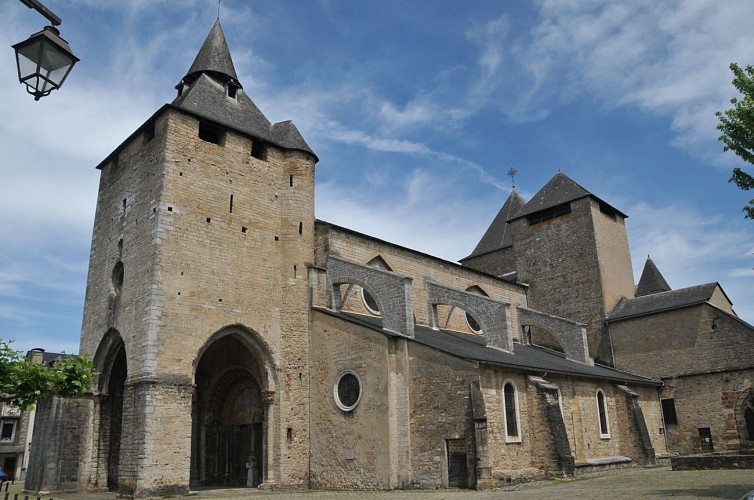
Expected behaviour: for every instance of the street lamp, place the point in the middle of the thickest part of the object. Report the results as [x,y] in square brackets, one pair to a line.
[44,59]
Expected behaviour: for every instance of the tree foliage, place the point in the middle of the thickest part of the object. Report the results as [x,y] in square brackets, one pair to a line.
[24,382]
[737,127]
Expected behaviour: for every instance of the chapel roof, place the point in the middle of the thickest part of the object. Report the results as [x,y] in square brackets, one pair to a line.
[203,92]
[662,301]
[524,357]
[499,234]
[651,280]
[559,190]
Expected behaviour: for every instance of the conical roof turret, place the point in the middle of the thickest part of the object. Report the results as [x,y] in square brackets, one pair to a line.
[651,280]
[211,90]
[499,234]
[213,59]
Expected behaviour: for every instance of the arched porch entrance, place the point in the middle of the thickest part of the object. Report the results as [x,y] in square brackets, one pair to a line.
[112,366]
[230,413]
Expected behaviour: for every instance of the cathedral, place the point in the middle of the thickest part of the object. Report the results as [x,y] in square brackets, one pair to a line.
[241,342]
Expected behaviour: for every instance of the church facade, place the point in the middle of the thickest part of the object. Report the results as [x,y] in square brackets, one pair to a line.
[241,342]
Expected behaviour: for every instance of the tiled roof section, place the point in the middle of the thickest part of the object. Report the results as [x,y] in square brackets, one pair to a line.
[206,97]
[651,280]
[213,57]
[559,190]
[523,357]
[662,301]
[499,235]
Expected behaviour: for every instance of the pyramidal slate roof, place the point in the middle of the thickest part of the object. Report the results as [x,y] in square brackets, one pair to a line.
[662,301]
[558,190]
[203,92]
[651,280]
[499,235]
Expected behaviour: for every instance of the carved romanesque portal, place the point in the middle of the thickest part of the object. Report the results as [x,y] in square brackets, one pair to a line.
[228,412]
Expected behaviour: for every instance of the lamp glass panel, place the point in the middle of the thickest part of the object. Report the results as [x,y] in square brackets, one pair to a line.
[28,58]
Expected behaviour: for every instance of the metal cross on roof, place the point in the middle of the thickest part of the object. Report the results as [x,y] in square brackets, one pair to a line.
[512,174]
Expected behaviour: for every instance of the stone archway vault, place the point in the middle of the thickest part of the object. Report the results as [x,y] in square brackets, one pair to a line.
[232,414]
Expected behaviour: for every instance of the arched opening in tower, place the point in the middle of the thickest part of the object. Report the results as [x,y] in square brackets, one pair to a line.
[228,414]
[112,383]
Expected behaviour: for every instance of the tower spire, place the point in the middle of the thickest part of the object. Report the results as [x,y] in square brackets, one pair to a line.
[213,59]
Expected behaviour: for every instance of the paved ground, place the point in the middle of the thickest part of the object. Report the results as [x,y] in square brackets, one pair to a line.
[659,482]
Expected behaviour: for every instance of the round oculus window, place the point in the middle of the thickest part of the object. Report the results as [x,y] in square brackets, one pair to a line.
[370,302]
[473,324]
[347,390]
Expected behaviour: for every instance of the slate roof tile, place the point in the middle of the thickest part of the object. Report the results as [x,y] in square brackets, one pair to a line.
[524,357]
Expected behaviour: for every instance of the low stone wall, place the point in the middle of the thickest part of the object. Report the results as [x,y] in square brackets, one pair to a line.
[711,462]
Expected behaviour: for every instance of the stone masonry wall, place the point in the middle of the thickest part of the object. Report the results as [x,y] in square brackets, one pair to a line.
[685,341]
[197,226]
[351,450]
[558,259]
[62,435]
[440,410]
[362,249]
[706,401]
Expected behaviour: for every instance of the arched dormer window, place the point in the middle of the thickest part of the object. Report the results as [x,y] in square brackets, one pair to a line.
[511,417]
[602,413]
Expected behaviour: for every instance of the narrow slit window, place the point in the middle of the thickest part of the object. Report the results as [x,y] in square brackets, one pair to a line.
[300,228]
[602,410]
[231,203]
[291,181]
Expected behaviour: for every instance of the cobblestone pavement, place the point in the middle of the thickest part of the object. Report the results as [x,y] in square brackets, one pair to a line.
[659,482]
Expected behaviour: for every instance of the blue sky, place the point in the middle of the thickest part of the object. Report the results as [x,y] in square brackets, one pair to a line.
[416,110]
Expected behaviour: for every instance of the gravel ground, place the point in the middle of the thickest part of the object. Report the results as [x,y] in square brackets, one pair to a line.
[658,482]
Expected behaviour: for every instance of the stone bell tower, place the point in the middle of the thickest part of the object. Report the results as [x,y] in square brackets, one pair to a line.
[571,249]
[196,311]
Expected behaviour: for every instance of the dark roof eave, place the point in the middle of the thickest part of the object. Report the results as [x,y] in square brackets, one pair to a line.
[242,132]
[588,195]
[480,254]
[128,139]
[630,377]
[136,132]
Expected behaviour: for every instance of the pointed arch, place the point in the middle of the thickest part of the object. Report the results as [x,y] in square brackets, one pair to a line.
[104,358]
[111,362]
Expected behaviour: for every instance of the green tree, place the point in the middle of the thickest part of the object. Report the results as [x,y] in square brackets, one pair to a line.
[737,126]
[24,382]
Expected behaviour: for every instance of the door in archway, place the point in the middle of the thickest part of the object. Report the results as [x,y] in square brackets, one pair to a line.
[111,416]
[228,431]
